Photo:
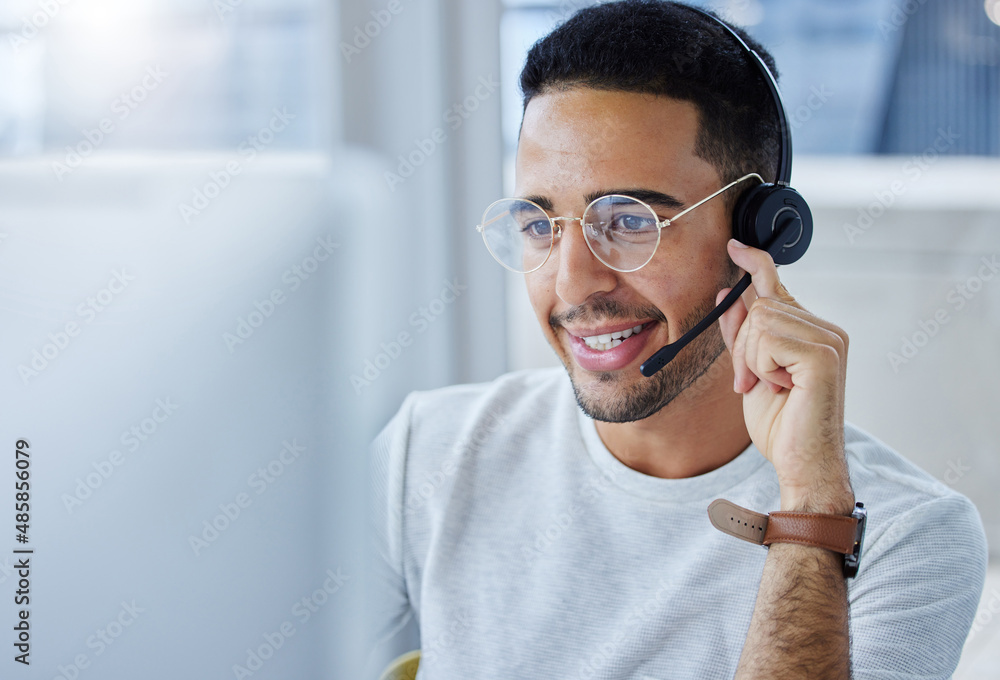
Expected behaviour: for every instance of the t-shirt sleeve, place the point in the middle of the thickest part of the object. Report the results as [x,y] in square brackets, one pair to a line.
[392,629]
[914,599]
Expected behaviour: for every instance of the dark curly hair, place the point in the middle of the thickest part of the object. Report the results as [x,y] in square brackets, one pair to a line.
[665,48]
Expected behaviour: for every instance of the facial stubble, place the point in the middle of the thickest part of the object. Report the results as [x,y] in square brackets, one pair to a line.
[639,397]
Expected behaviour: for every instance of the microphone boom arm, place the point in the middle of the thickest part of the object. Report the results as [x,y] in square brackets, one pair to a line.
[665,354]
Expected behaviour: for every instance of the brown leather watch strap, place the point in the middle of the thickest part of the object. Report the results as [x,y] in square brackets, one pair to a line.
[833,532]
[737,521]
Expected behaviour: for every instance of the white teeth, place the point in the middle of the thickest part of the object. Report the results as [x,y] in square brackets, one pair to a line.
[606,341]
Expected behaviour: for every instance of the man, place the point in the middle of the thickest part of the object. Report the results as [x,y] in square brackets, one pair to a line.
[552,524]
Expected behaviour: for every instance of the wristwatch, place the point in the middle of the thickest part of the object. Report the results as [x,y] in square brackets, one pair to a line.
[839,533]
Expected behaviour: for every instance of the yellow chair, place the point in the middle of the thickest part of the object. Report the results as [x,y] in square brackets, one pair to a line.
[402,667]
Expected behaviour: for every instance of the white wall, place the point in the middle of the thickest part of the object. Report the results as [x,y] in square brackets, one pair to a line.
[110,527]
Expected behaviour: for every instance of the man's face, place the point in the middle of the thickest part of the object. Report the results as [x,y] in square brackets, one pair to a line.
[581,142]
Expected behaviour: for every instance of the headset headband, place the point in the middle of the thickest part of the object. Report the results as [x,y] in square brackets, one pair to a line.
[784,175]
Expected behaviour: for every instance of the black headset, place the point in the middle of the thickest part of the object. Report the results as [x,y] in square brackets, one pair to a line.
[772,217]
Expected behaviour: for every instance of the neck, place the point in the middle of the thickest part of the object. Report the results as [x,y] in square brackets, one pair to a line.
[700,430]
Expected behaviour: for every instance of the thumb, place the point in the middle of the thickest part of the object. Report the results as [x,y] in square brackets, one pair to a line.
[732,319]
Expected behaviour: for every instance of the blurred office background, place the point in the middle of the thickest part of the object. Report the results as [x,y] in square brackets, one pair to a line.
[214,152]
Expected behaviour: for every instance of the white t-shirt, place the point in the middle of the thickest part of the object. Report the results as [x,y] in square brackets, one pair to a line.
[525,549]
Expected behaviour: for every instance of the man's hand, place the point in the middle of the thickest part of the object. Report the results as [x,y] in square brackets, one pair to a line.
[791,368]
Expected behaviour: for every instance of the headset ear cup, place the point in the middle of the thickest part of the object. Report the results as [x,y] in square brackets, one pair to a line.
[745,215]
[765,208]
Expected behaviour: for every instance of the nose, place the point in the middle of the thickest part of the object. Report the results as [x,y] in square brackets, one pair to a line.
[578,273]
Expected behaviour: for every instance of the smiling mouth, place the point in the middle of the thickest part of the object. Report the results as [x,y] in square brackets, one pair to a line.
[603,343]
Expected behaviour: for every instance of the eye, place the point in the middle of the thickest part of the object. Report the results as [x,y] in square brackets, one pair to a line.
[537,229]
[634,222]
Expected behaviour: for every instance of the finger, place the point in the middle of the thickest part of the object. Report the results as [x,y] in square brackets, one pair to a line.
[778,318]
[810,365]
[762,363]
[789,304]
[790,360]
[760,266]
[749,296]
[734,330]
[768,315]
[731,319]
[767,318]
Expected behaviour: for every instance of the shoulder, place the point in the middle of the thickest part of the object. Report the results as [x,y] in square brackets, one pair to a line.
[908,506]
[464,432]
[923,565]
[879,470]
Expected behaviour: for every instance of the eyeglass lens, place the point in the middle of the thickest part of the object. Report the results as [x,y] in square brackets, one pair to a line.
[620,231]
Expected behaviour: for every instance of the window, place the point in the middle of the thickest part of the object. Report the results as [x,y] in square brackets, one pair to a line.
[160,74]
[856,76]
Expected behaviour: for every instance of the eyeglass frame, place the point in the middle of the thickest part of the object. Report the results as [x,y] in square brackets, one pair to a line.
[556,228]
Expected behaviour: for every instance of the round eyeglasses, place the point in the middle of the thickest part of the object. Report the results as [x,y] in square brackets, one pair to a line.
[622,232]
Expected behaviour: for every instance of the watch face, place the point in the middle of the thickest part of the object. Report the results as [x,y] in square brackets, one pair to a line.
[853,559]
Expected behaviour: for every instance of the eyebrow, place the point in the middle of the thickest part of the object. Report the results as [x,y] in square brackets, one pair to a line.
[649,196]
